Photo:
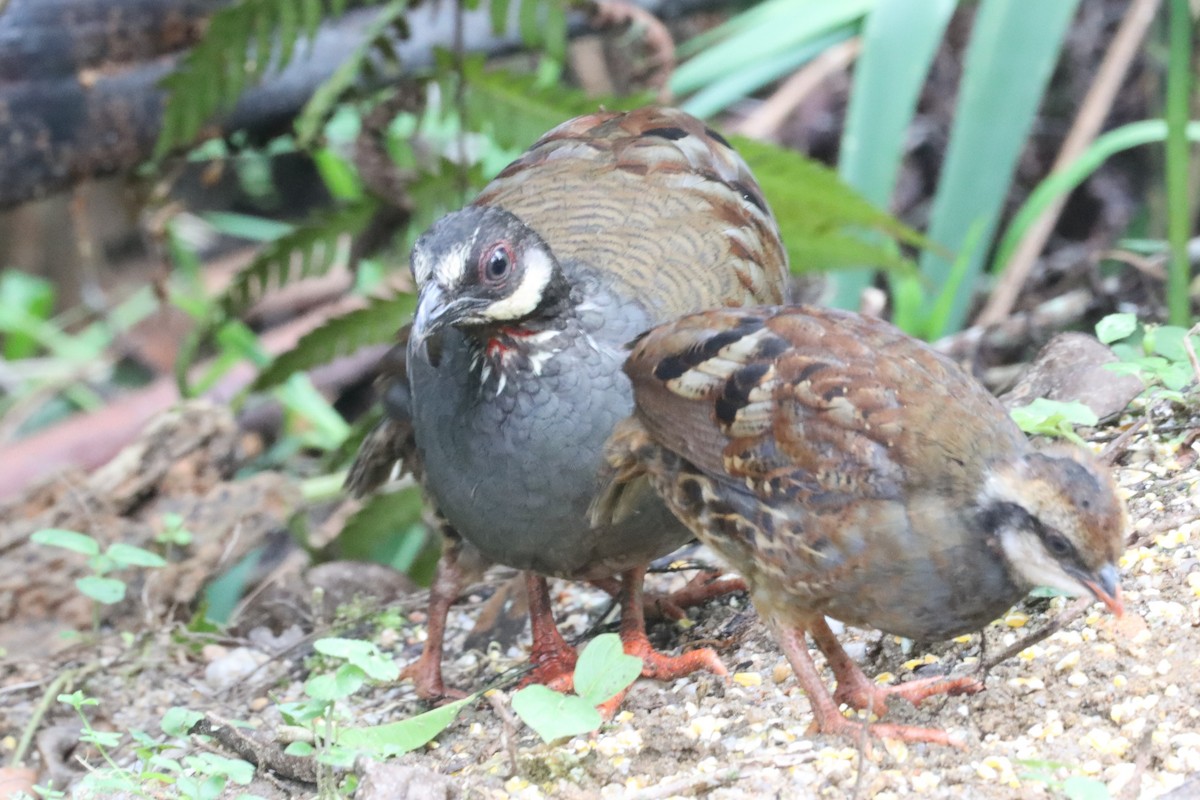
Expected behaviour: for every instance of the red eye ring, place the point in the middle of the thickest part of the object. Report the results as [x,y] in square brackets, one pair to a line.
[497,263]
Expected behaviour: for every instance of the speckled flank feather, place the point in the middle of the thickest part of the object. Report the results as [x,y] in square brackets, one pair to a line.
[626,191]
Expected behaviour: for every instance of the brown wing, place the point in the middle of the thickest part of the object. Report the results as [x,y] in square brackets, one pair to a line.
[814,404]
[659,194]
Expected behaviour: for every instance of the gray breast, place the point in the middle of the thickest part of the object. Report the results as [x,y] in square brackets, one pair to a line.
[515,471]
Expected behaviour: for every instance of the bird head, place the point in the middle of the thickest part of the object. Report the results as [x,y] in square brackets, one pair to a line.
[481,267]
[1059,522]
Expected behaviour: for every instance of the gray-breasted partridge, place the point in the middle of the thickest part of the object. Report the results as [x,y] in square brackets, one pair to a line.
[511,381]
[847,470]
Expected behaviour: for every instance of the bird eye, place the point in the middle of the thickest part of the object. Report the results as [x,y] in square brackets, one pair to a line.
[1058,545]
[497,263]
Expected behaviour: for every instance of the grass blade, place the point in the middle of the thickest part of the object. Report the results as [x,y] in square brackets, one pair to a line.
[1013,49]
[899,41]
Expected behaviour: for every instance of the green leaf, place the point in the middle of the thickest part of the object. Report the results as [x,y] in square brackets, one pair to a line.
[555,716]
[396,738]
[514,110]
[102,590]
[362,654]
[1115,327]
[1067,179]
[347,680]
[308,251]
[340,336]
[178,721]
[604,669]
[127,555]
[1079,787]
[388,529]
[899,41]
[299,749]
[1013,49]
[818,214]
[1053,418]
[375,42]
[34,296]
[219,67]
[769,29]
[68,540]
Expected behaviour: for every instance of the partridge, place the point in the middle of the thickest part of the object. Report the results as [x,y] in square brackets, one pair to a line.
[847,470]
[511,380]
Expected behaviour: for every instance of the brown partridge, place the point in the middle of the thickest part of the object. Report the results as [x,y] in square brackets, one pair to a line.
[511,381]
[850,471]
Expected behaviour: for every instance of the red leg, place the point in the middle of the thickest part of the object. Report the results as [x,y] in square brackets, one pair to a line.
[827,718]
[553,659]
[858,691]
[706,585]
[654,664]
[426,671]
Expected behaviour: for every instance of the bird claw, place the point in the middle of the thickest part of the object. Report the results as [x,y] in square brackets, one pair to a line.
[840,726]
[426,675]
[867,696]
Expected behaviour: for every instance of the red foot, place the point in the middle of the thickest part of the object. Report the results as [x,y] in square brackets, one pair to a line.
[869,695]
[426,675]
[426,671]
[705,586]
[838,725]
[553,659]
[826,716]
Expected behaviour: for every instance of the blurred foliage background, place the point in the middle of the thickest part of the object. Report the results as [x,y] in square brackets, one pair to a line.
[952,165]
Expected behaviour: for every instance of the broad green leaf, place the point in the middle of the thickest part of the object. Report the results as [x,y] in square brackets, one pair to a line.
[179,720]
[128,555]
[347,680]
[604,669]
[68,540]
[818,214]
[1080,787]
[1053,418]
[405,735]
[362,654]
[1115,327]
[1013,49]
[35,297]
[102,590]
[555,716]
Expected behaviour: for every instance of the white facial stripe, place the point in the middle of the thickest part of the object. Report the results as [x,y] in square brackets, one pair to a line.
[1030,559]
[528,294]
[451,267]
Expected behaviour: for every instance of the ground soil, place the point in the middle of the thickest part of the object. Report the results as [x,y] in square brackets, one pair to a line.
[1103,699]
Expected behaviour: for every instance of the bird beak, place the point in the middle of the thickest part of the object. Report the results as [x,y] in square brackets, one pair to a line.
[1107,589]
[434,313]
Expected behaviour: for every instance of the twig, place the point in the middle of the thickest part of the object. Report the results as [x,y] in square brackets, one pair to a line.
[1092,113]
[261,753]
[508,727]
[764,122]
[1113,450]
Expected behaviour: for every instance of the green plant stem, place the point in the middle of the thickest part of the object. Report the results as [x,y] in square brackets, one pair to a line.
[1179,214]
[56,687]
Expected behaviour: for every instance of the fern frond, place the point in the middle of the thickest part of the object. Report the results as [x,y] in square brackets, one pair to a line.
[341,336]
[242,42]
[514,110]
[305,252]
[376,51]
